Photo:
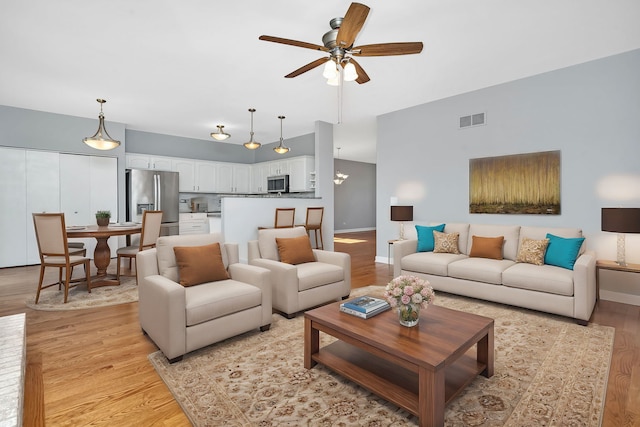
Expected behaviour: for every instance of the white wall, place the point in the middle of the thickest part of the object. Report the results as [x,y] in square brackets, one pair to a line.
[590,112]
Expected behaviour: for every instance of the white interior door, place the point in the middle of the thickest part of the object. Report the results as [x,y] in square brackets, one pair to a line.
[13,207]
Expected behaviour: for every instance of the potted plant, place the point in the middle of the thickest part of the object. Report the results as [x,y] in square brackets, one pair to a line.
[103,217]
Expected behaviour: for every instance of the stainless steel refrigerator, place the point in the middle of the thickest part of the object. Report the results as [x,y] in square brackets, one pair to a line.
[153,190]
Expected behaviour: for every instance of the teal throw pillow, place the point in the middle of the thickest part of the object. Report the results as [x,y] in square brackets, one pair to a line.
[425,237]
[562,252]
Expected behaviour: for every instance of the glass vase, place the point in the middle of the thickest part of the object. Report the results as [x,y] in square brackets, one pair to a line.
[409,314]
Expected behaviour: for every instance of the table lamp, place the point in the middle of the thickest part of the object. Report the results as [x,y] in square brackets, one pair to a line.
[401,213]
[621,220]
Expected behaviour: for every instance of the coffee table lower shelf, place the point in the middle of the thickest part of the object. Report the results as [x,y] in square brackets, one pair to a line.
[394,383]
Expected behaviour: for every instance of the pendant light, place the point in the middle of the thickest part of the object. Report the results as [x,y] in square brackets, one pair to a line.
[340,177]
[281,149]
[252,145]
[221,135]
[101,140]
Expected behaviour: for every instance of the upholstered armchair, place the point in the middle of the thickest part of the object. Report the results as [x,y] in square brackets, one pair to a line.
[322,277]
[193,292]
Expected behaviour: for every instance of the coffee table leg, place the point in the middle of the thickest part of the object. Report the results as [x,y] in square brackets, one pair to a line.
[311,343]
[431,397]
[486,354]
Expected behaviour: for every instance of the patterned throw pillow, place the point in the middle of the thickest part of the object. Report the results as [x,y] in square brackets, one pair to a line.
[532,251]
[446,243]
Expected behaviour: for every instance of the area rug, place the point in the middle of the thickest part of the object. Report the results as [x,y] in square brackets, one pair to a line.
[52,299]
[549,371]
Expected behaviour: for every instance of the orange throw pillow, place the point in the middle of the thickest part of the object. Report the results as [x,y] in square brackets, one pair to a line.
[486,247]
[200,264]
[295,250]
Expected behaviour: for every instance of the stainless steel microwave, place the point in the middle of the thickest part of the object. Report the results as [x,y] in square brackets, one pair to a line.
[278,184]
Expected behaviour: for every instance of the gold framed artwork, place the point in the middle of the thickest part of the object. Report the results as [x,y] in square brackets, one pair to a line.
[515,184]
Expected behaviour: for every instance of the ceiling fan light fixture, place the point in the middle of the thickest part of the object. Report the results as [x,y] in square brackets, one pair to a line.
[330,70]
[101,140]
[335,81]
[339,177]
[220,135]
[350,73]
[281,149]
[252,145]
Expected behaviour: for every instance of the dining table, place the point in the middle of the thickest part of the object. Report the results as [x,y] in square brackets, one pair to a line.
[102,252]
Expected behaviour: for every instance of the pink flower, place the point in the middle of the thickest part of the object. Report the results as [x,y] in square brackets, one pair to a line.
[408,290]
[406,299]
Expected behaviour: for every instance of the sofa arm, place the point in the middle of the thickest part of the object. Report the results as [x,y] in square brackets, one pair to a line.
[284,282]
[259,277]
[161,306]
[402,248]
[233,252]
[146,263]
[584,285]
[340,259]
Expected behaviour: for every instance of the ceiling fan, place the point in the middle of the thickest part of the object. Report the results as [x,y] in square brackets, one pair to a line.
[338,43]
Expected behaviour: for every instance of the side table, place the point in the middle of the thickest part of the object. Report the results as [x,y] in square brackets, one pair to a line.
[612,265]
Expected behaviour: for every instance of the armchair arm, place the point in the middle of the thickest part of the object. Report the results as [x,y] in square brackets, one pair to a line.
[259,277]
[253,250]
[232,252]
[402,248]
[161,304]
[284,282]
[146,263]
[340,259]
[584,285]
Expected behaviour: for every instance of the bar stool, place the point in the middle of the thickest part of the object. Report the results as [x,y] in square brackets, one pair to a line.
[314,223]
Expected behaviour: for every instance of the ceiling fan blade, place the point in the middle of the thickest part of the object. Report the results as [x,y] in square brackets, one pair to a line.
[352,24]
[294,43]
[362,75]
[305,68]
[387,49]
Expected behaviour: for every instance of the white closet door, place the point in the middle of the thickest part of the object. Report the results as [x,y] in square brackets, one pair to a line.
[43,193]
[13,207]
[74,194]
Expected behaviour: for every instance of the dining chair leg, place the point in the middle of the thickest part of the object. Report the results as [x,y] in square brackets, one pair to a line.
[60,278]
[321,241]
[66,284]
[40,283]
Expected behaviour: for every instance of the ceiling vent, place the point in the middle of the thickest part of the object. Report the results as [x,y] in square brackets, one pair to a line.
[472,120]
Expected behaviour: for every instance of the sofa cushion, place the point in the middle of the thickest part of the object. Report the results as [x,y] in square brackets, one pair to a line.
[167,265]
[426,241]
[211,300]
[429,262]
[200,264]
[480,269]
[486,247]
[545,278]
[532,251]
[446,243]
[314,274]
[295,250]
[267,240]
[562,252]
[509,232]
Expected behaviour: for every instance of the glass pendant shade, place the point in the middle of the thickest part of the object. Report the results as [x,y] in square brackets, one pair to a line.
[334,81]
[350,73]
[101,140]
[330,70]
[281,149]
[339,177]
[252,145]
[220,135]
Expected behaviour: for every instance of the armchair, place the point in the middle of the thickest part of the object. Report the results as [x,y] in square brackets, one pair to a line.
[305,285]
[180,319]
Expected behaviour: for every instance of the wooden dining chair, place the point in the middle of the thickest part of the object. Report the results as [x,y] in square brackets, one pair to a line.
[314,223]
[285,217]
[51,235]
[151,221]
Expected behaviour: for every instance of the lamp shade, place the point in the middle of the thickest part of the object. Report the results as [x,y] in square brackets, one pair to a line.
[621,220]
[401,213]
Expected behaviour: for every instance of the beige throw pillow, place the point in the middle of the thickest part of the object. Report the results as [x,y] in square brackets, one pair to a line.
[445,242]
[532,251]
[200,264]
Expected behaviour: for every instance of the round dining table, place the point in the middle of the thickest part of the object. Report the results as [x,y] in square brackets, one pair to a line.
[102,253]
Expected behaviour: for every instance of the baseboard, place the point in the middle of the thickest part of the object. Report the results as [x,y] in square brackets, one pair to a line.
[619,297]
[384,260]
[353,230]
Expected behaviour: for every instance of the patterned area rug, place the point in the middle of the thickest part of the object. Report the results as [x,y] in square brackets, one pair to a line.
[51,299]
[549,371]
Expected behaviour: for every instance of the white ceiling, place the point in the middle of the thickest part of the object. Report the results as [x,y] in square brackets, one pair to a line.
[182,67]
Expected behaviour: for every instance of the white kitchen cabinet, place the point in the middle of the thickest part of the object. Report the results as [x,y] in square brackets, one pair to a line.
[145,161]
[195,176]
[43,193]
[259,174]
[300,169]
[215,224]
[193,223]
[242,178]
[13,207]
[278,167]
[206,177]
[187,170]
[233,178]
[224,181]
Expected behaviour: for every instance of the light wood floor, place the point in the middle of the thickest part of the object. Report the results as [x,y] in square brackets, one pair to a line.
[90,367]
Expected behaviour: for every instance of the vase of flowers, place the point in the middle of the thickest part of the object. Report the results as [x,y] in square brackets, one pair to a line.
[408,294]
[103,217]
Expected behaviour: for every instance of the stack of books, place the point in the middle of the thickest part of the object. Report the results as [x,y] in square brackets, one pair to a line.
[365,306]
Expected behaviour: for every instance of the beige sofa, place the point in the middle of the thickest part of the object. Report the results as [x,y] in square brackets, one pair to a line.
[182,319]
[302,286]
[547,288]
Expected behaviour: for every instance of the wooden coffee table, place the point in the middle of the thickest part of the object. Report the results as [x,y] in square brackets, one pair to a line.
[420,369]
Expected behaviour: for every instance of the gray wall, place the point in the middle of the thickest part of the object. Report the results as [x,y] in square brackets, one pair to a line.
[590,112]
[355,198]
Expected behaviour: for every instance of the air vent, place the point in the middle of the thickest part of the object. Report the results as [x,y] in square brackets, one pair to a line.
[472,120]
